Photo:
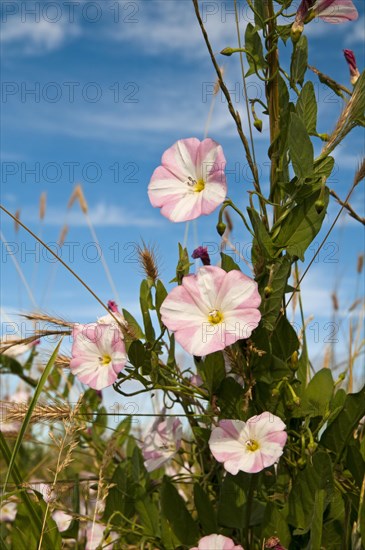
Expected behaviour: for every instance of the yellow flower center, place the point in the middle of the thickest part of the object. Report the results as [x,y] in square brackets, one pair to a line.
[252,445]
[197,186]
[105,360]
[215,317]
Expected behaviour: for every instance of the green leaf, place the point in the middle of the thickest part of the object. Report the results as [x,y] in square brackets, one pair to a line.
[317,520]
[149,516]
[161,294]
[301,226]
[302,498]
[262,237]
[24,426]
[137,331]
[340,431]
[307,107]
[276,524]
[213,371]
[323,167]
[270,305]
[284,340]
[228,264]
[300,148]
[259,13]
[137,354]
[317,395]
[175,511]
[231,504]
[299,61]
[146,305]
[24,539]
[253,45]
[206,513]
[121,496]
[230,398]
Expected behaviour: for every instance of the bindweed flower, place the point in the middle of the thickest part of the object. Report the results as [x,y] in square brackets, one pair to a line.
[62,520]
[98,354]
[331,11]
[201,253]
[108,319]
[8,511]
[217,542]
[274,544]
[248,446]
[334,11]
[95,536]
[212,309]
[351,61]
[190,181]
[162,443]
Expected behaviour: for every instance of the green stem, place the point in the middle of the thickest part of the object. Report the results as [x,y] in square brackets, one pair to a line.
[272,94]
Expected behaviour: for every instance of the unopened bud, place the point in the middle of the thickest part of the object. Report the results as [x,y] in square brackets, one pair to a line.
[221,227]
[275,392]
[301,463]
[268,290]
[258,124]
[296,32]
[294,361]
[312,446]
[227,51]
[319,206]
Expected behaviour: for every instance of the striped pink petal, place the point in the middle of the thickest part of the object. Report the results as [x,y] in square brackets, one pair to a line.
[336,11]
[230,299]
[185,164]
[248,446]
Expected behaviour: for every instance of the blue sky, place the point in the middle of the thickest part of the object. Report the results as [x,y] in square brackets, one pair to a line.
[114,84]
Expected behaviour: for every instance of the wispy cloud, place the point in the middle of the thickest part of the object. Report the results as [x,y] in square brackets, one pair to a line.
[101,215]
[36,36]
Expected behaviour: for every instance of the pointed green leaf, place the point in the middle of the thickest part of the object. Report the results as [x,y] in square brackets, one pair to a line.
[299,61]
[301,226]
[175,511]
[306,107]
[300,148]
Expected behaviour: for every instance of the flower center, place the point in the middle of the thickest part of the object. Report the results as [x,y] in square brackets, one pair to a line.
[105,360]
[252,445]
[197,186]
[215,317]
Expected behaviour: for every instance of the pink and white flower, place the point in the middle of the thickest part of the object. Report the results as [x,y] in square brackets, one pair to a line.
[109,319]
[62,519]
[162,443]
[190,181]
[8,511]
[217,542]
[95,536]
[248,446]
[212,309]
[335,11]
[98,354]
[331,11]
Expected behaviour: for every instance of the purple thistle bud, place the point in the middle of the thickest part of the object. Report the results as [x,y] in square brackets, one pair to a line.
[112,306]
[351,61]
[201,253]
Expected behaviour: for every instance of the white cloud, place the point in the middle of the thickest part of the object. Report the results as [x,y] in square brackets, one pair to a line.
[163,27]
[101,215]
[357,34]
[37,37]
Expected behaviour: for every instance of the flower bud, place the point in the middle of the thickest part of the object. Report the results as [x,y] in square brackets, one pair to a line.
[351,61]
[221,227]
[294,361]
[227,51]
[312,446]
[268,290]
[258,124]
[319,206]
[201,253]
